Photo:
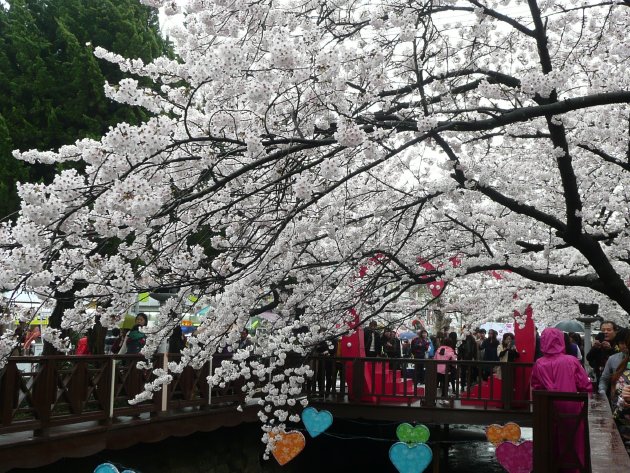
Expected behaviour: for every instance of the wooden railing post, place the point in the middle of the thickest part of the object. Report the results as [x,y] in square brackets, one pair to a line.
[358,378]
[587,436]
[341,394]
[430,382]
[44,393]
[10,392]
[77,385]
[507,385]
[542,433]
[557,428]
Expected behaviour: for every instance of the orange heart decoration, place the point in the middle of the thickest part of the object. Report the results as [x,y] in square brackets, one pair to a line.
[288,446]
[509,432]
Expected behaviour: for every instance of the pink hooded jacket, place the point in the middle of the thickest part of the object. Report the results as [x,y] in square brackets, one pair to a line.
[557,371]
[449,354]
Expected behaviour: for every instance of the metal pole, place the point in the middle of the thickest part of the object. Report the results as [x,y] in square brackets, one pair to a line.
[587,338]
[112,389]
[164,406]
[210,382]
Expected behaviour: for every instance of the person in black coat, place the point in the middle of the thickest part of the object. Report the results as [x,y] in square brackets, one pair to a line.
[603,347]
[391,347]
[490,353]
[177,341]
[372,340]
[468,351]
[508,351]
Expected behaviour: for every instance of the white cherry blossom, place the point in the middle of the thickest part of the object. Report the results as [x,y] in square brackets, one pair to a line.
[307,157]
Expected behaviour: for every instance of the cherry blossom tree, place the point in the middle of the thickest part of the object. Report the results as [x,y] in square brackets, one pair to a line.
[309,157]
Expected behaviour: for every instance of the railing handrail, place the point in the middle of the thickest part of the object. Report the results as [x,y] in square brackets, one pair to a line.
[575,397]
[417,360]
[68,389]
[194,380]
[107,356]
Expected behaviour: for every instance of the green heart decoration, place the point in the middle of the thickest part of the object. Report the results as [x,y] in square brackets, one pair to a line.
[409,434]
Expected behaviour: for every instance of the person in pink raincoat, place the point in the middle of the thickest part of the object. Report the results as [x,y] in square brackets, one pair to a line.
[446,352]
[557,371]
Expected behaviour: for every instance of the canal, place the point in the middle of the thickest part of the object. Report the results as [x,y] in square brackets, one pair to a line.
[352,446]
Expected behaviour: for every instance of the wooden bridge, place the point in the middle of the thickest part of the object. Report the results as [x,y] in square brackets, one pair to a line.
[73,406]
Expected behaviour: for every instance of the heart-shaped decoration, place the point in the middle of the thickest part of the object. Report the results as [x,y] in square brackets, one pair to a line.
[106,468]
[288,446]
[509,432]
[410,458]
[316,421]
[409,434]
[109,468]
[516,457]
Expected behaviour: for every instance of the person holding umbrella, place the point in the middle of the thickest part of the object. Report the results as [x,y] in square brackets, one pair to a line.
[405,342]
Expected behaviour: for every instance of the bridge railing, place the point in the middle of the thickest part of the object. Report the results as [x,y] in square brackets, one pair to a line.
[38,393]
[424,382]
[561,432]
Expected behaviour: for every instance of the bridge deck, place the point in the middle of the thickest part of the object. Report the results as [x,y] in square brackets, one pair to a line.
[27,450]
[76,406]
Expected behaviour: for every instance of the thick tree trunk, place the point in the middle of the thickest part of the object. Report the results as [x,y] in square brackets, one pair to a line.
[96,338]
[65,300]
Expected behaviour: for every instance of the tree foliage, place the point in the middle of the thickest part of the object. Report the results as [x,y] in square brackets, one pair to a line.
[53,85]
[314,156]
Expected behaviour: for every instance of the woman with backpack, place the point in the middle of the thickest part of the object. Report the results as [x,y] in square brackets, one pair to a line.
[446,352]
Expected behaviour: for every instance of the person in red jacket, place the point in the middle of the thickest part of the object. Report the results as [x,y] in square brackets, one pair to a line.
[31,337]
[82,346]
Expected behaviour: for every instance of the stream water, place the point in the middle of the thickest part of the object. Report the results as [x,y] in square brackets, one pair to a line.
[476,455]
[352,446]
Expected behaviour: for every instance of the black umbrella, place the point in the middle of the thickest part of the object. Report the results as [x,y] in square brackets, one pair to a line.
[570,326]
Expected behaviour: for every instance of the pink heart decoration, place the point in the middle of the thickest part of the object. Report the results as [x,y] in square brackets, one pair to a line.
[516,457]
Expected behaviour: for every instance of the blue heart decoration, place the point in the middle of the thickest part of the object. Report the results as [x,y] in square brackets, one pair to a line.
[316,421]
[106,468]
[109,468]
[410,458]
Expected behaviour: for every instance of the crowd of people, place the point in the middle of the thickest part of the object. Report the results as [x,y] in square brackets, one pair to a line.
[560,364]
[479,345]
[609,358]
